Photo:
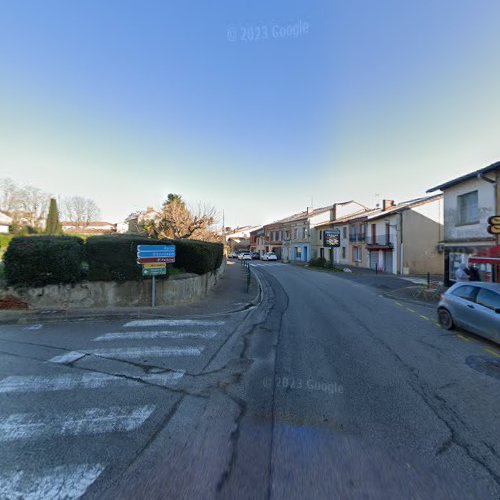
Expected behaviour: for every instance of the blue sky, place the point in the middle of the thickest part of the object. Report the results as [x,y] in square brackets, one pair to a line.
[127,101]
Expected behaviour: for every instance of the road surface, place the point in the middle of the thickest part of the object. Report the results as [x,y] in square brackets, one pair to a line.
[327,389]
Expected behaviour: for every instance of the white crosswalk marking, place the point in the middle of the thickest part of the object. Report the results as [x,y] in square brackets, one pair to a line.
[132,352]
[172,322]
[89,421]
[140,352]
[68,357]
[65,481]
[80,381]
[165,334]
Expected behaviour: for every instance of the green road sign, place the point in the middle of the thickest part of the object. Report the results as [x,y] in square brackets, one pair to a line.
[154,271]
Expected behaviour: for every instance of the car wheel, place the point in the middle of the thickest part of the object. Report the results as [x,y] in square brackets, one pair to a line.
[445,319]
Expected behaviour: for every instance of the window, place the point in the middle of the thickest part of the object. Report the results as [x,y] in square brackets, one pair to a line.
[298,252]
[321,252]
[467,208]
[356,254]
[466,292]
[344,232]
[303,232]
[343,250]
[321,236]
[488,298]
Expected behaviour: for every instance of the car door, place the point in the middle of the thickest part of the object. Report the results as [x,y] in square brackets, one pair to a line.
[462,304]
[487,320]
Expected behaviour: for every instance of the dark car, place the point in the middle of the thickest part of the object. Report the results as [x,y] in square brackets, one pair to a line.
[255,255]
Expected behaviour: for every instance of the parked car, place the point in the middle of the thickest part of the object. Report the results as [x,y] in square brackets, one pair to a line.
[473,306]
[255,255]
[240,254]
[269,256]
[246,256]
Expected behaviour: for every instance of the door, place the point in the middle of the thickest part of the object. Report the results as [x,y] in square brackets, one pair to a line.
[388,262]
[462,305]
[373,260]
[305,254]
[486,321]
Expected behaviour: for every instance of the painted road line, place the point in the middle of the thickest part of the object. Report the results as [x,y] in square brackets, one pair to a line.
[491,351]
[33,327]
[165,334]
[424,317]
[411,310]
[69,357]
[399,303]
[463,337]
[91,421]
[172,322]
[143,352]
[64,481]
[80,381]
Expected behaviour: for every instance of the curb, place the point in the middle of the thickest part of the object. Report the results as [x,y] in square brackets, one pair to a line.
[388,295]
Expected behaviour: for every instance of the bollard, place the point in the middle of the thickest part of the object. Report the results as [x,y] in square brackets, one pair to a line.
[428,280]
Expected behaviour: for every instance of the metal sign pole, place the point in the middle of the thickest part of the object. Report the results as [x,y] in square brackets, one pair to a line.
[153,291]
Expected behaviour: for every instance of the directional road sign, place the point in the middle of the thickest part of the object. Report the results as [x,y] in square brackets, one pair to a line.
[155,271]
[146,260]
[155,265]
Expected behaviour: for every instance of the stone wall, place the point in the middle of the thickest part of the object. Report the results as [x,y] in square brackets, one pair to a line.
[181,289]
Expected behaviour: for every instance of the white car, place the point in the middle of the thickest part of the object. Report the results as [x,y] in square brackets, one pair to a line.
[269,256]
[245,256]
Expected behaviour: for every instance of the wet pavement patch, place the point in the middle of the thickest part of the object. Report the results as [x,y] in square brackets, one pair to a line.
[484,365]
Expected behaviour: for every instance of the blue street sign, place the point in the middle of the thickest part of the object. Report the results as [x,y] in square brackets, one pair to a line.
[149,251]
[146,255]
[155,248]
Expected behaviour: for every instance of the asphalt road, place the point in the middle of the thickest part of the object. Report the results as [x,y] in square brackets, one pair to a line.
[326,389]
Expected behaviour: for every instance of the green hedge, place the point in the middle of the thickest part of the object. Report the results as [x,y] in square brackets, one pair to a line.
[40,260]
[44,260]
[114,257]
[198,257]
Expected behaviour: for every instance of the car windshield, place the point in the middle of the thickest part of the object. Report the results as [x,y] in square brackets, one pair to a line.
[249,249]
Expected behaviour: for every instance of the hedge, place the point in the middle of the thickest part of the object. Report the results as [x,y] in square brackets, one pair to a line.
[44,260]
[41,260]
[114,257]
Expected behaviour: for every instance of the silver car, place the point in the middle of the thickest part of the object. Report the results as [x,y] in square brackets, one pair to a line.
[473,306]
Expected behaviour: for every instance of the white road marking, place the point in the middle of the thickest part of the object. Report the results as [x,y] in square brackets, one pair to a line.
[33,327]
[80,381]
[172,322]
[89,421]
[64,481]
[142,352]
[165,334]
[69,357]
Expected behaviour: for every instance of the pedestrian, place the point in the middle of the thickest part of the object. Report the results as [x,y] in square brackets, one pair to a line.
[461,273]
[474,273]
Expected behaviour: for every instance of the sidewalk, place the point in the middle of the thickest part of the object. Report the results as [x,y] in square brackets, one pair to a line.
[229,295]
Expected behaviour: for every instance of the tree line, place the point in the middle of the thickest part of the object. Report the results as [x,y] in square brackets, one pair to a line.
[29,206]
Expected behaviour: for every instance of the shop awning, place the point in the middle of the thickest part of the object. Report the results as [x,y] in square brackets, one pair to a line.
[489,255]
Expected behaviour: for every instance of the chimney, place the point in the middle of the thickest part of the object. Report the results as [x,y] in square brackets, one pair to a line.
[309,210]
[386,204]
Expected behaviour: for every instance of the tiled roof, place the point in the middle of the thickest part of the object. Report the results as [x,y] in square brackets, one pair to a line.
[466,177]
[405,205]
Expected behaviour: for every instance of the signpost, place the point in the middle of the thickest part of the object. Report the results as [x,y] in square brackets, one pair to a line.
[331,238]
[154,259]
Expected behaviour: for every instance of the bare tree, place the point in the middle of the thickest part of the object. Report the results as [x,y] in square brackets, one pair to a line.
[9,196]
[178,221]
[80,210]
[33,204]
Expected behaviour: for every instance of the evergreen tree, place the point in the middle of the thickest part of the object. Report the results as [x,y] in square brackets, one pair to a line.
[53,227]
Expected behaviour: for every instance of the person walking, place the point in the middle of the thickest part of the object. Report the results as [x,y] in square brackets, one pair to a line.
[461,273]
[474,273]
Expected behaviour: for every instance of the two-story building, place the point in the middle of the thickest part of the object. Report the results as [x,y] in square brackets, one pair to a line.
[398,238]
[258,241]
[469,201]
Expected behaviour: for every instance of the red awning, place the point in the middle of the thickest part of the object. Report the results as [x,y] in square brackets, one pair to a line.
[495,261]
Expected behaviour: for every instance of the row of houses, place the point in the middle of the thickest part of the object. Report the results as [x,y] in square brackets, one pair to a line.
[431,234]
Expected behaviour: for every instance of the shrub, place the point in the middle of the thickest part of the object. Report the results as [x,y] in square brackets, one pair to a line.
[198,257]
[318,262]
[43,260]
[114,257]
